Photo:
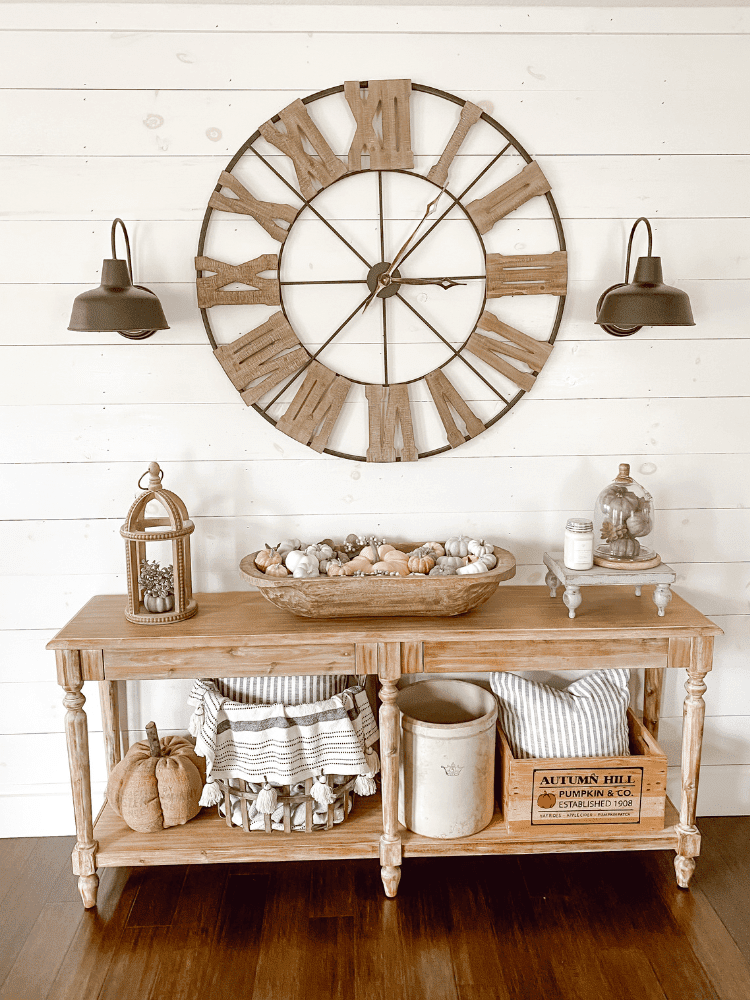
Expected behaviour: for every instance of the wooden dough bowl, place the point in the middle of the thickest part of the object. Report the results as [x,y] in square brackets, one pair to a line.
[343,597]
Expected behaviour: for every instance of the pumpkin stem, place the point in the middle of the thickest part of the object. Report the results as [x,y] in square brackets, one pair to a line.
[153,740]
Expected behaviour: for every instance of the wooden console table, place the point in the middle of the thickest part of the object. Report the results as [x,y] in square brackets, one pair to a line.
[239,633]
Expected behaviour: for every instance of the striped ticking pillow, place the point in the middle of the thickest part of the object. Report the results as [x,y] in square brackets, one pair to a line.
[291,690]
[586,719]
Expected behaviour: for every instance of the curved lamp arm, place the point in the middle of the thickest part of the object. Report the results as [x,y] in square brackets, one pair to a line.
[610,328]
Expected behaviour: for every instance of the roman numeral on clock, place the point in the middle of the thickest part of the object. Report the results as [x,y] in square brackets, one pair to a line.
[323,169]
[266,213]
[387,407]
[470,114]
[516,345]
[316,406]
[262,354]
[263,291]
[509,196]
[527,274]
[446,396]
[392,150]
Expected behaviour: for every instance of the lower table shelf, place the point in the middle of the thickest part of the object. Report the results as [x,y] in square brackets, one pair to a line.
[208,839]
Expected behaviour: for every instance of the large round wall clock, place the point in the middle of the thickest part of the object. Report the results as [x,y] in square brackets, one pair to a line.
[382,271]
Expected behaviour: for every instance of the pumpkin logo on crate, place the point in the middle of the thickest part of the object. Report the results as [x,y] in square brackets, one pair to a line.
[546,800]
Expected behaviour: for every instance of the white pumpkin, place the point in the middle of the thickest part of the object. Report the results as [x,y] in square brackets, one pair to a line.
[320,550]
[478,567]
[489,559]
[307,566]
[287,545]
[448,561]
[457,546]
[293,558]
[478,547]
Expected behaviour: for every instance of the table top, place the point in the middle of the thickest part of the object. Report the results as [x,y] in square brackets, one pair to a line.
[662,574]
[514,612]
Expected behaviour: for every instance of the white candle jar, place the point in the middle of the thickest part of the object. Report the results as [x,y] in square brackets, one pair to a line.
[578,552]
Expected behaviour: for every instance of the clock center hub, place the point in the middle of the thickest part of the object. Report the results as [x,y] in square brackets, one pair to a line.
[378,278]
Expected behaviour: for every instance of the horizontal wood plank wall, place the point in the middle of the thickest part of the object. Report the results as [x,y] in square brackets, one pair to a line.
[132,110]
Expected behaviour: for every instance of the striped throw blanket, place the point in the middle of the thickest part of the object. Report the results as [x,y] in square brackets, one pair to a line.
[283,745]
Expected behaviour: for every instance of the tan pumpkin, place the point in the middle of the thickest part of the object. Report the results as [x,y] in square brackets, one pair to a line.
[546,800]
[421,565]
[374,553]
[267,558]
[276,571]
[337,569]
[397,555]
[360,564]
[437,548]
[158,783]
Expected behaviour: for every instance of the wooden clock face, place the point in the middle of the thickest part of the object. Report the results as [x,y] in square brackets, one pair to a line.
[382,271]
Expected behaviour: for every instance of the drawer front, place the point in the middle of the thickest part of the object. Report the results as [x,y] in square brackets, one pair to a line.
[546,655]
[209,662]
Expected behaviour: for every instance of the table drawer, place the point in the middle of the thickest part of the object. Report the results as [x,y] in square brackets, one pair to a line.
[207,662]
[547,655]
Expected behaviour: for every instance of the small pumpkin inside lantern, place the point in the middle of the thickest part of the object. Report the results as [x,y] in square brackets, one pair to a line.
[158,594]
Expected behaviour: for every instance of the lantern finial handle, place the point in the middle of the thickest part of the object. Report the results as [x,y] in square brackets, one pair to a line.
[155,476]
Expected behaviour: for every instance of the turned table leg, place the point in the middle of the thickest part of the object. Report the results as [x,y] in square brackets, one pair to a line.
[662,597]
[689,840]
[76,734]
[552,582]
[389,670]
[572,598]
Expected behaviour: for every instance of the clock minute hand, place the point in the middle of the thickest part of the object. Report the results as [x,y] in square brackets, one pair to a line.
[427,212]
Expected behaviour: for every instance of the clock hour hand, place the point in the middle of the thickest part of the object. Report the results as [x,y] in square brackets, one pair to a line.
[444,283]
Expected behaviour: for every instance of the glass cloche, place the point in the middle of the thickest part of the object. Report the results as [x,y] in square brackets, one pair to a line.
[623,524]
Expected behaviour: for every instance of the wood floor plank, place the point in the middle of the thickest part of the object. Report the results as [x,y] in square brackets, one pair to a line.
[402,945]
[158,894]
[84,969]
[710,940]
[134,967]
[13,855]
[723,875]
[43,952]
[230,973]
[474,935]
[28,894]
[194,925]
[332,891]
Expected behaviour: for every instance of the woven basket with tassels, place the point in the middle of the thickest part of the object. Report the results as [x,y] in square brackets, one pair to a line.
[279,807]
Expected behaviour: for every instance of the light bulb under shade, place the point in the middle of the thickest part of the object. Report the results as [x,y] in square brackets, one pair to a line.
[117,305]
[644,302]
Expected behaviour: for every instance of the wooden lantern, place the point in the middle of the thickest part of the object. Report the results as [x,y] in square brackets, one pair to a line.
[138,531]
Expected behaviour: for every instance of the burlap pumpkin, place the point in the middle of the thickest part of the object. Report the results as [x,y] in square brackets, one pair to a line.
[150,792]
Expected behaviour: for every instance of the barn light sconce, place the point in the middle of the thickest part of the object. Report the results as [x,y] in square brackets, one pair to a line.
[118,305]
[645,302]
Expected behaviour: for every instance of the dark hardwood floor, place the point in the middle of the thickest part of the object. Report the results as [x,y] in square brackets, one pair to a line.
[585,926]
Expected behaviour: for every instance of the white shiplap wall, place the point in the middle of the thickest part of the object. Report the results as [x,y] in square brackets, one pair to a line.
[132,110]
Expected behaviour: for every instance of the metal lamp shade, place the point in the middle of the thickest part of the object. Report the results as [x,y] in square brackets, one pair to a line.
[645,302]
[117,305]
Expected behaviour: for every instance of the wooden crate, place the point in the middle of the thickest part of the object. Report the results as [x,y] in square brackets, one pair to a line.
[608,796]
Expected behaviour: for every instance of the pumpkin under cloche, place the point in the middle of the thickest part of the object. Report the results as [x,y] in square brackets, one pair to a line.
[158,783]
